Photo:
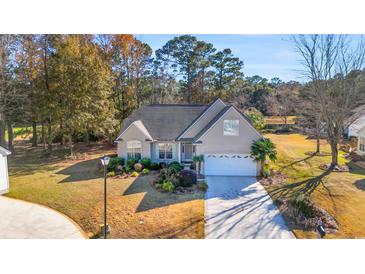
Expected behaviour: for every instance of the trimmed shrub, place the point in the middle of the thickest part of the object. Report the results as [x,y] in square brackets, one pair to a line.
[154,166]
[302,206]
[127,169]
[131,162]
[145,171]
[168,186]
[158,186]
[110,174]
[146,162]
[134,174]
[187,178]
[138,167]
[203,186]
[114,163]
[175,167]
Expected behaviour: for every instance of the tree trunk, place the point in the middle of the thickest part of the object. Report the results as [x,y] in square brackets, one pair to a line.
[70,144]
[34,137]
[262,168]
[334,153]
[10,137]
[2,134]
[44,136]
[87,138]
[318,149]
[61,133]
[49,139]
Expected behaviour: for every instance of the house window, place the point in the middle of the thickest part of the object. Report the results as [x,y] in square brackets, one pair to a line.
[230,127]
[134,149]
[362,144]
[165,151]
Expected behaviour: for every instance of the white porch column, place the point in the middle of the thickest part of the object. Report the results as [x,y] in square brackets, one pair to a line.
[179,152]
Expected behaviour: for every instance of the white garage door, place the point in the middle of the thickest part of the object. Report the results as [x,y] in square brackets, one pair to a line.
[229,165]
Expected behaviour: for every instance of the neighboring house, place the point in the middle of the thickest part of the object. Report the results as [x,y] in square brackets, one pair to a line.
[178,132]
[361,141]
[4,178]
[355,122]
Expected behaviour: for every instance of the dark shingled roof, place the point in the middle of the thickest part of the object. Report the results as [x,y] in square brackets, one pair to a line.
[165,121]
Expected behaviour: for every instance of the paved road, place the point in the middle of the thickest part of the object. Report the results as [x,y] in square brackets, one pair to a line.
[240,208]
[22,220]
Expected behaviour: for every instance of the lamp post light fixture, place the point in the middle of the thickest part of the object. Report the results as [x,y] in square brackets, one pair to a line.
[105,161]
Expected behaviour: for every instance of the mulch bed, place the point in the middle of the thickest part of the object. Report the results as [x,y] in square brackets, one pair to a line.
[297,221]
[276,178]
[321,154]
[335,169]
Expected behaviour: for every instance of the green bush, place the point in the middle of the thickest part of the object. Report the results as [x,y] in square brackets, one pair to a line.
[203,186]
[138,167]
[158,186]
[146,162]
[134,174]
[131,162]
[154,166]
[145,171]
[114,163]
[187,178]
[168,186]
[126,169]
[175,167]
[302,205]
[110,174]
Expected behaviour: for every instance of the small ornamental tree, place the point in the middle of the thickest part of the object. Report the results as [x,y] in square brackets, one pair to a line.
[261,149]
[257,118]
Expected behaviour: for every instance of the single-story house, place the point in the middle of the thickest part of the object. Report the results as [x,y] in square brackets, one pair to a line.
[355,122]
[178,132]
[361,141]
[4,177]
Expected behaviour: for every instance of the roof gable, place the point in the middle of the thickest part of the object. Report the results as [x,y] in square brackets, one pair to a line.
[164,122]
[219,116]
[201,121]
[140,126]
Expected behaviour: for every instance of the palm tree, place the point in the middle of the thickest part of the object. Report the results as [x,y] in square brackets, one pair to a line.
[261,149]
[198,160]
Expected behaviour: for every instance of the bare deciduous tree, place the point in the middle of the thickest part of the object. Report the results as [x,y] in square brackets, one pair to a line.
[333,64]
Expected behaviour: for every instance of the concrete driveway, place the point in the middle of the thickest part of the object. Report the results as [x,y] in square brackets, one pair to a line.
[23,220]
[240,208]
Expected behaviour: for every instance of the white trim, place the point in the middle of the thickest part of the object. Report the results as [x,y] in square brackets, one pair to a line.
[4,151]
[200,117]
[140,126]
[240,115]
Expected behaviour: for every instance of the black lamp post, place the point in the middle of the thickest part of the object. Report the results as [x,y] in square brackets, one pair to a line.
[105,162]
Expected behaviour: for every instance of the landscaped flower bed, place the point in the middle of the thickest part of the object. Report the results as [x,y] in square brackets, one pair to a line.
[119,168]
[301,213]
[173,178]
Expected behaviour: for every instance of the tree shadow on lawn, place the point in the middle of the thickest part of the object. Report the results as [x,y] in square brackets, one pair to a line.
[360,184]
[154,199]
[305,160]
[355,169]
[306,187]
[81,171]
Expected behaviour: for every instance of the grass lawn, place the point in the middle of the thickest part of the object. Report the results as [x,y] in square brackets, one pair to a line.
[73,187]
[341,194]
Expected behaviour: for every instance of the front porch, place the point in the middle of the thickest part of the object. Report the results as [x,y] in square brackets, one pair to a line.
[187,152]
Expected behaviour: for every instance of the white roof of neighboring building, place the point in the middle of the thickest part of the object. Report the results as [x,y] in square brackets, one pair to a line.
[4,151]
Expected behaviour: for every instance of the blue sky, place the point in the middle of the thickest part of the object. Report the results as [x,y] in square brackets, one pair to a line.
[265,55]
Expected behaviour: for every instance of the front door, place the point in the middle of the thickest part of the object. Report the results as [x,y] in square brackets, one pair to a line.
[187,152]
